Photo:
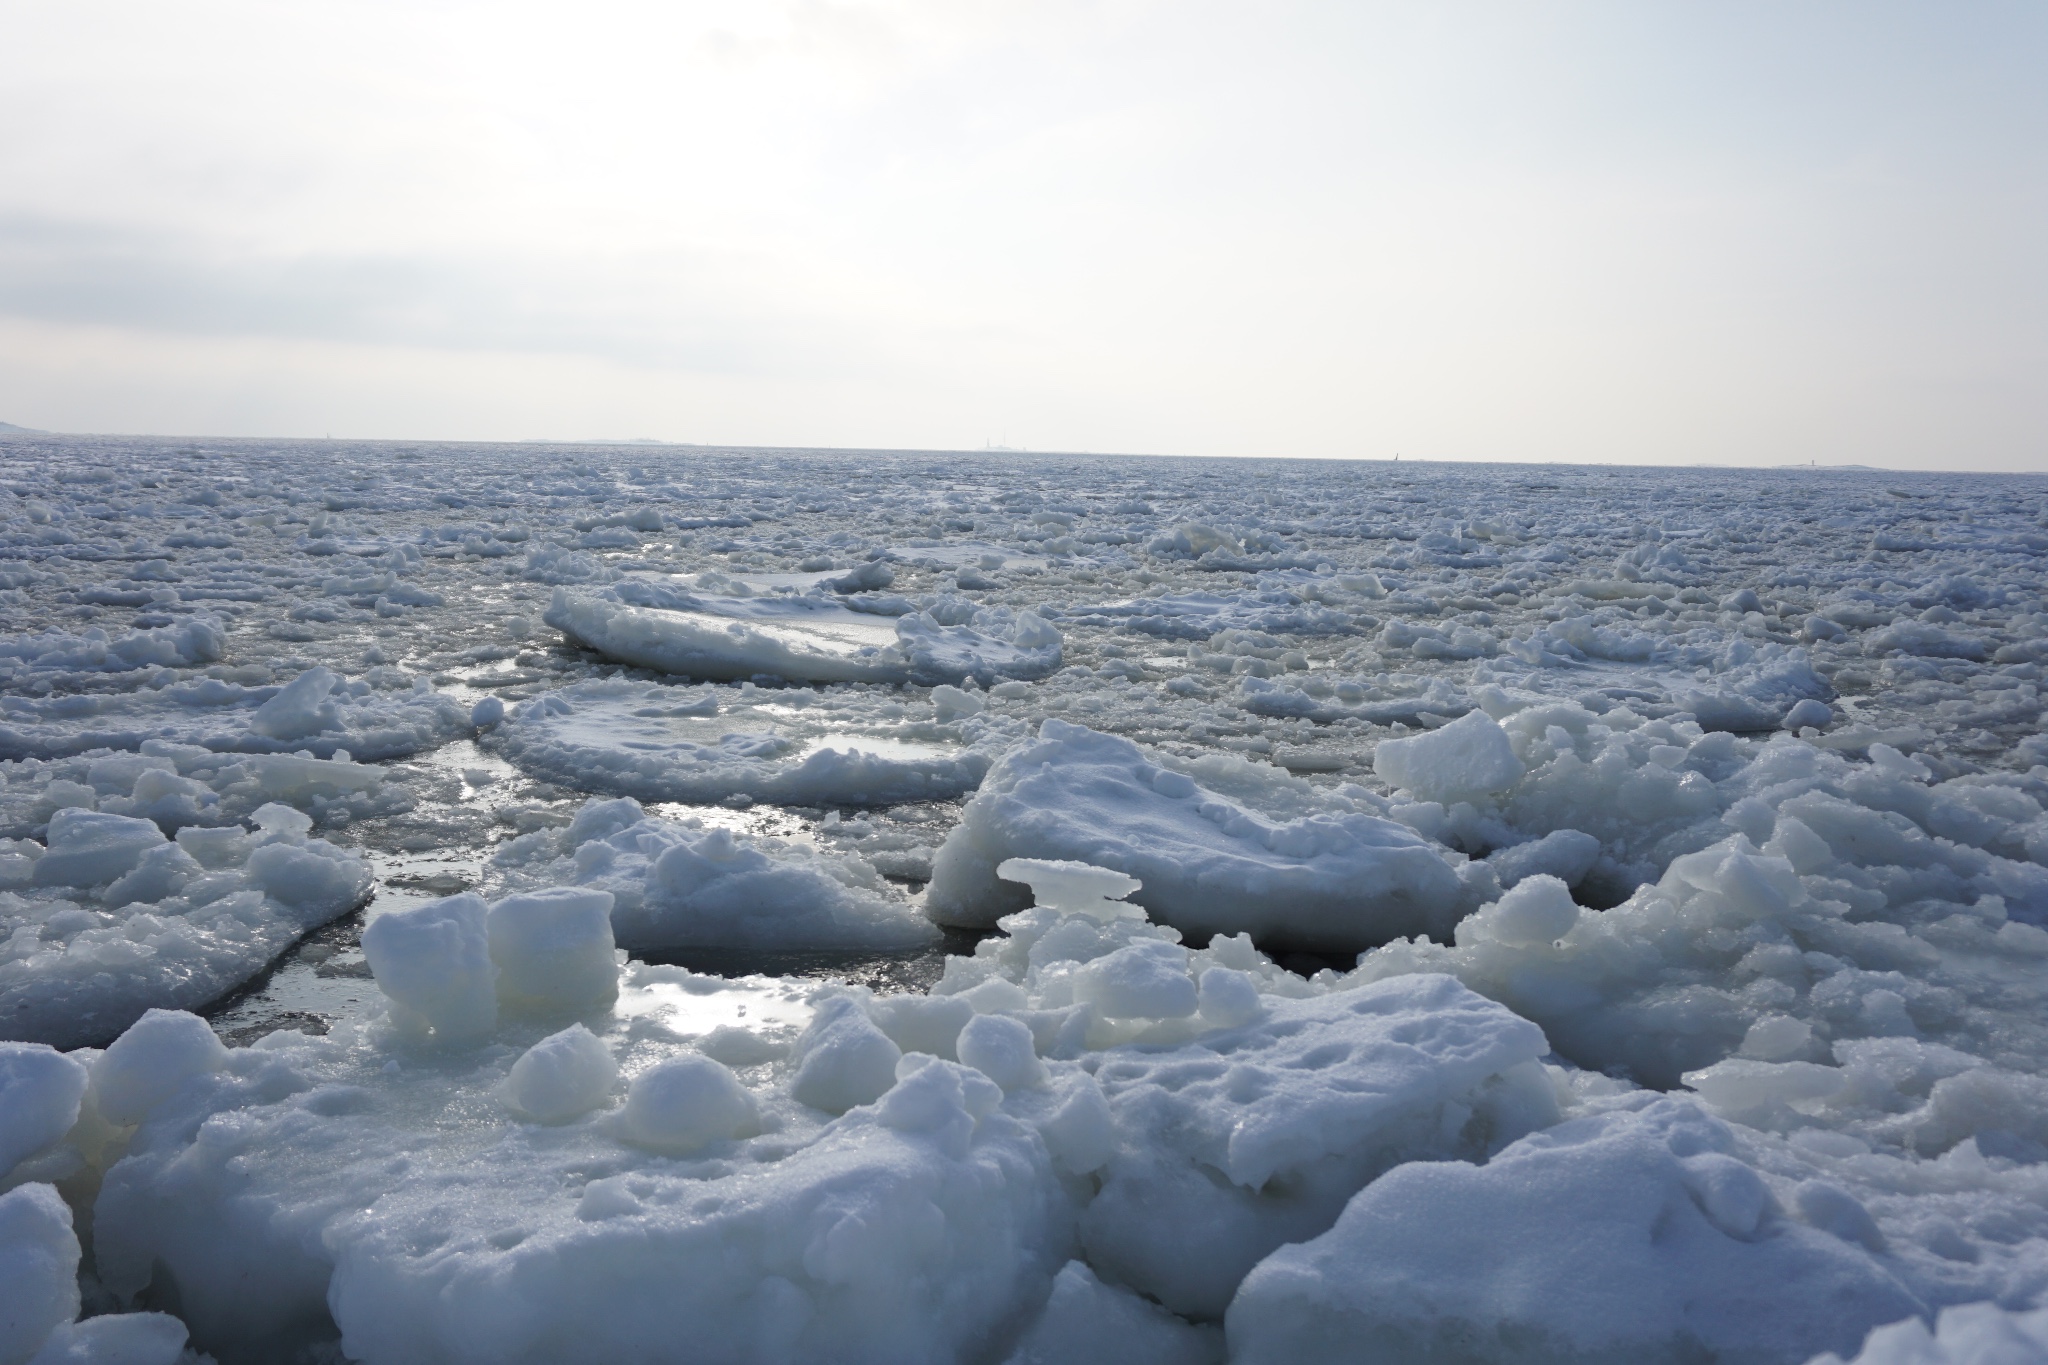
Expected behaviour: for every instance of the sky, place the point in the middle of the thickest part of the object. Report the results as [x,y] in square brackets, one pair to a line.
[1730,233]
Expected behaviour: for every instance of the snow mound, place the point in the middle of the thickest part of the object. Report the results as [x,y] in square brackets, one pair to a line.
[677,884]
[795,747]
[810,638]
[111,918]
[1632,1237]
[1969,1334]
[1221,846]
[39,1297]
[317,712]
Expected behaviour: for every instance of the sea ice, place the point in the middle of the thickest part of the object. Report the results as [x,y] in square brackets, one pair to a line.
[1692,822]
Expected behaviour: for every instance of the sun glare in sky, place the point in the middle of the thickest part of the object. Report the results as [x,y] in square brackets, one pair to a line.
[1639,232]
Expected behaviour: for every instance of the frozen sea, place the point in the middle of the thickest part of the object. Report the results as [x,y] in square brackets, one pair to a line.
[541,903]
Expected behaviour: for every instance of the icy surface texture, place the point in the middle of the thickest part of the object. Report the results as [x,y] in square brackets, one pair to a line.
[112,918]
[1725,785]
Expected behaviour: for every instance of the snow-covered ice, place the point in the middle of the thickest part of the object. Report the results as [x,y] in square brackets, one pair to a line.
[1251,911]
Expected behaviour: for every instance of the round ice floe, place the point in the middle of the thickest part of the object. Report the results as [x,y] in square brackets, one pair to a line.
[813,637]
[679,885]
[685,1105]
[794,747]
[561,1076]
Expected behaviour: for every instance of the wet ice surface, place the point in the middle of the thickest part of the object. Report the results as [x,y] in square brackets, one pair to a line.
[1728,782]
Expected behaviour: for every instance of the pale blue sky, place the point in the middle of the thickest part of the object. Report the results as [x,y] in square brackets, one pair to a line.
[1731,232]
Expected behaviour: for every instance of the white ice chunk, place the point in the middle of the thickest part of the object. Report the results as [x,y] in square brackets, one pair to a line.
[1469,757]
[844,1059]
[38,1270]
[678,886]
[88,848]
[553,951]
[686,1104]
[562,1076]
[1538,910]
[1001,1049]
[40,1089]
[151,1061]
[433,962]
[1255,1136]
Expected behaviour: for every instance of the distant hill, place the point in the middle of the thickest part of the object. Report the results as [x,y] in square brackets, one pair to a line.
[7,427]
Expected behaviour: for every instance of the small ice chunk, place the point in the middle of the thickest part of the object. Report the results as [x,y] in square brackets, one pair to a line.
[434,963]
[89,848]
[1777,1038]
[301,708]
[847,1060]
[38,1269]
[553,951]
[151,1061]
[1469,758]
[1964,1334]
[686,1104]
[1567,854]
[1000,1048]
[1087,1320]
[1145,980]
[1072,888]
[1228,997]
[116,1339]
[951,703]
[1809,711]
[486,713]
[1539,910]
[561,1076]
[1833,1209]
[40,1089]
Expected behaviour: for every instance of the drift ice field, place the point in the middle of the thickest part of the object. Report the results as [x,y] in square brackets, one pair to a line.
[481,905]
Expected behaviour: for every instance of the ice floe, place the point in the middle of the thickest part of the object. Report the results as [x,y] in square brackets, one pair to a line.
[791,746]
